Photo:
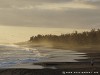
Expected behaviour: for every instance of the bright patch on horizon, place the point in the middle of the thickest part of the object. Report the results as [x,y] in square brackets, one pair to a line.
[13,34]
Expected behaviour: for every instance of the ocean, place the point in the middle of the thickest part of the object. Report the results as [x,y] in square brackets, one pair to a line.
[11,55]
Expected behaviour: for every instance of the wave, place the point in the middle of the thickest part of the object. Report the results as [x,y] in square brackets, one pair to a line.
[14,54]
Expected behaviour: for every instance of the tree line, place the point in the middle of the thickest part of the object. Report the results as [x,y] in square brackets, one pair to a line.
[85,38]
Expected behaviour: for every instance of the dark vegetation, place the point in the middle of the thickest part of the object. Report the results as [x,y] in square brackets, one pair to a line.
[71,40]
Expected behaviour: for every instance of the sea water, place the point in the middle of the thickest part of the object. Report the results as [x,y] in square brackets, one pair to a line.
[11,55]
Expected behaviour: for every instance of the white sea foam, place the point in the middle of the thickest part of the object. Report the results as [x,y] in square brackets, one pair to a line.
[13,54]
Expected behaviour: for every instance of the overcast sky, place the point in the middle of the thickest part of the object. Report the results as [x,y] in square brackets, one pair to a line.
[50,13]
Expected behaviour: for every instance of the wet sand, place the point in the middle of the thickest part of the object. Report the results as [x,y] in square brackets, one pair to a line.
[63,67]
[56,68]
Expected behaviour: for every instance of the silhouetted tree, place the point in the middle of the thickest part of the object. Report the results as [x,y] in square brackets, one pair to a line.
[92,37]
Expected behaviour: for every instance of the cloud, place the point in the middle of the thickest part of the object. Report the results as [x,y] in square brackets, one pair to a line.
[76,4]
[62,6]
[50,13]
[47,4]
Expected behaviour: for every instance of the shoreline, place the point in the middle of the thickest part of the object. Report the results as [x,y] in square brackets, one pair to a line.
[39,68]
[91,53]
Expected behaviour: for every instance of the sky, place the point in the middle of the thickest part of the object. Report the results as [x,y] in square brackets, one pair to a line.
[14,34]
[23,18]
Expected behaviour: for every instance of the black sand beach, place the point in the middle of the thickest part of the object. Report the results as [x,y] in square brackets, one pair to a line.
[83,67]
[82,62]
[65,69]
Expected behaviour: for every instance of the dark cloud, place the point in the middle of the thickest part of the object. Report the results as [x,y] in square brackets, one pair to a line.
[41,13]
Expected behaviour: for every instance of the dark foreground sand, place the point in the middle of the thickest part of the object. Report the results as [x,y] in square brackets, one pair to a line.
[75,68]
[55,68]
